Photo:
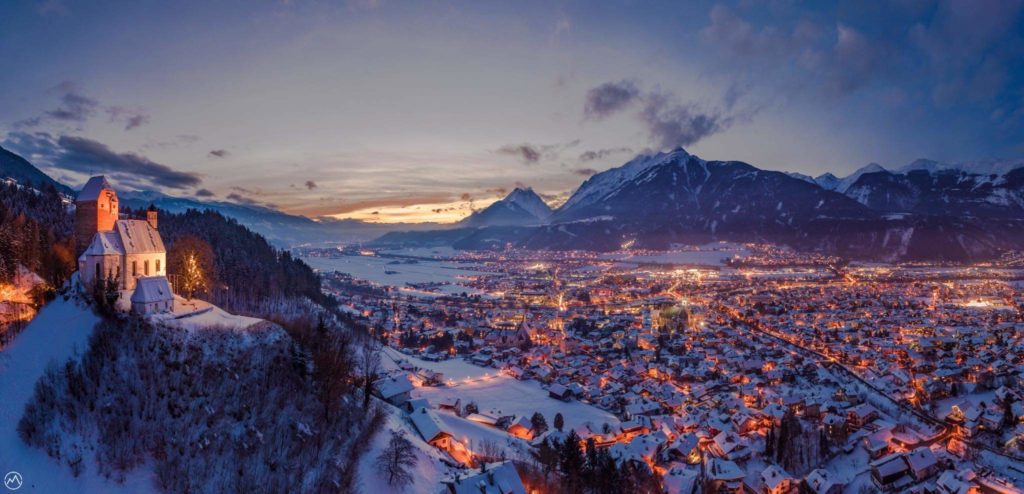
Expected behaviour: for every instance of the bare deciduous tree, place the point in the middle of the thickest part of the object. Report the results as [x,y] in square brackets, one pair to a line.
[396,461]
[369,368]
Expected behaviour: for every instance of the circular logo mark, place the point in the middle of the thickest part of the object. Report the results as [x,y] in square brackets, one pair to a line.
[13,481]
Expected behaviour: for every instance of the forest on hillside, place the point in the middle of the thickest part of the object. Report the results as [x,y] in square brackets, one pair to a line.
[35,232]
[244,271]
[277,408]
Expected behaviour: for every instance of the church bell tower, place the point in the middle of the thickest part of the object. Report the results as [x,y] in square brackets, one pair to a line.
[96,210]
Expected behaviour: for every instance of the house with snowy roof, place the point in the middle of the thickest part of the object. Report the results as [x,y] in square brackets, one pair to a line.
[152,294]
[820,481]
[127,252]
[431,429]
[395,389]
[493,478]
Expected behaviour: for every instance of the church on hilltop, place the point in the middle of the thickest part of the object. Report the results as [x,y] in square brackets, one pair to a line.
[128,252]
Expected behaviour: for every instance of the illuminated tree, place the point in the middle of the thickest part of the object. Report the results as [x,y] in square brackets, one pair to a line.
[190,261]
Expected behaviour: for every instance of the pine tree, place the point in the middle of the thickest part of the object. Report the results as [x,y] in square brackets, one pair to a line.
[559,422]
[540,425]
[547,456]
[571,464]
[591,466]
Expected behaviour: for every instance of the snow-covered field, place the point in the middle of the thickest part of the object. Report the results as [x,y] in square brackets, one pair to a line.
[58,332]
[498,394]
[388,271]
[198,314]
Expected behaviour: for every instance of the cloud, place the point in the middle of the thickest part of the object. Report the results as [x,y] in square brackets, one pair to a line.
[77,108]
[669,123]
[973,49]
[83,155]
[310,184]
[609,98]
[74,107]
[248,201]
[205,193]
[837,65]
[132,117]
[602,153]
[584,172]
[532,153]
[239,198]
[219,153]
[385,202]
[526,152]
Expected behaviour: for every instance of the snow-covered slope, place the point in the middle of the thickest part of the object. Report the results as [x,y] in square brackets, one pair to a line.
[429,469]
[530,202]
[602,184]
[827,181]
[842,185]
[59,331]
[978,167]
[801,176]
[20,170]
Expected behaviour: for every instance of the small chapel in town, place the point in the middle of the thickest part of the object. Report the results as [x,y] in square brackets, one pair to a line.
[128,252]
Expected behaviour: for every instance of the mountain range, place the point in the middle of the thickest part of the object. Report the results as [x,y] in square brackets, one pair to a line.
[14,167]
[926,210]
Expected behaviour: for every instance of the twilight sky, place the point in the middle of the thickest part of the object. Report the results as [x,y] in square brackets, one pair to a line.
[420,111]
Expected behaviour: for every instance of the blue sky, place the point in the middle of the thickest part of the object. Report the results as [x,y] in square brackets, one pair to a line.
[413,111]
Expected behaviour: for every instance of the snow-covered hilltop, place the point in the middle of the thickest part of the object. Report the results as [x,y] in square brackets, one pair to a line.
[59,332]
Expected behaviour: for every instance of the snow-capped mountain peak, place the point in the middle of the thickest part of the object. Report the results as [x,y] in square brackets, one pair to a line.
[607,181]
[532,203]
[827,181]
[522,206]
[845,183]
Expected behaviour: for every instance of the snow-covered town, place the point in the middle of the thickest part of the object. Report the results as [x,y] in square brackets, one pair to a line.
[726,368]
[512,247]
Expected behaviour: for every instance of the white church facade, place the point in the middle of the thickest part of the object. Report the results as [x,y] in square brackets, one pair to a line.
[129,252]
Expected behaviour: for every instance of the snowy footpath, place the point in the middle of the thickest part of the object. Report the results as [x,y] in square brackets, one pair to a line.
[58,332]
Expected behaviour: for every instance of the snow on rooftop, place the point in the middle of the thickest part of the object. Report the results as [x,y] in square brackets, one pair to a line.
[139,238]
[103,244]
[92,189]
[152,289]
